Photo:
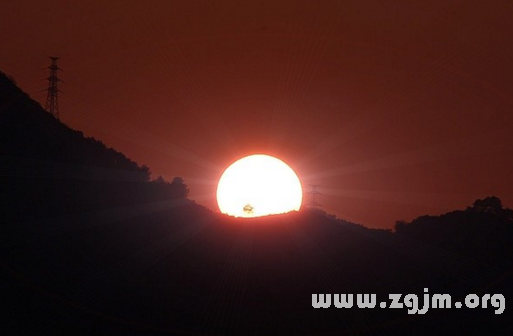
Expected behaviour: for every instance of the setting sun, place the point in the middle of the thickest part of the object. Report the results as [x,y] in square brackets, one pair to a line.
[258,185]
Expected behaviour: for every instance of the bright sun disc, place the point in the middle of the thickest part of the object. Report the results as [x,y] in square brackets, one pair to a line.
[258,185]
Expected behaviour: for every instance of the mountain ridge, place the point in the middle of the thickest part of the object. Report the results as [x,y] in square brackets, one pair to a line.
[83,252]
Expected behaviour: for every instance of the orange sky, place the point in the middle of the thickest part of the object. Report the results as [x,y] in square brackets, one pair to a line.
[397,108]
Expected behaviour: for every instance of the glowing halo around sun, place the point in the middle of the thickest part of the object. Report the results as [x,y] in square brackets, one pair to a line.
[258,185]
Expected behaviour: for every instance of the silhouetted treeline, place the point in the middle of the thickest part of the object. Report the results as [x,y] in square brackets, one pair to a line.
[28,131]
[484,231]
[48,169]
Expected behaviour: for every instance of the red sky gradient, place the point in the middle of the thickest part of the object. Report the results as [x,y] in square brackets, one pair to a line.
[397,108]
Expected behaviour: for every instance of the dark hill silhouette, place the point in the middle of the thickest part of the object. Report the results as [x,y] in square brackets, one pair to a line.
[86,249]
[49,169]
[482,232]
[28,131]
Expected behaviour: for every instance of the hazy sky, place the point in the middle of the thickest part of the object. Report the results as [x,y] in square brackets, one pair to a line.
[396,108]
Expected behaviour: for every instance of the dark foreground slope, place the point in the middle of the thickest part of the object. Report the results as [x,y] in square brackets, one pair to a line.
[179,271]
[48,169]
[88,247]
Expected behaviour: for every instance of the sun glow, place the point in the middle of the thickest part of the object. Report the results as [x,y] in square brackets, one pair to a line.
[258,185]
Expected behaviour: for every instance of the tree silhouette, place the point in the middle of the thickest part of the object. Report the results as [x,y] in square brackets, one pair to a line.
[400,225]
[248,208]
[489,204]
[179,187]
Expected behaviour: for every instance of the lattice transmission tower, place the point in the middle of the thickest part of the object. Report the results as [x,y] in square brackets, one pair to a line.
[314,196]
[52,103]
